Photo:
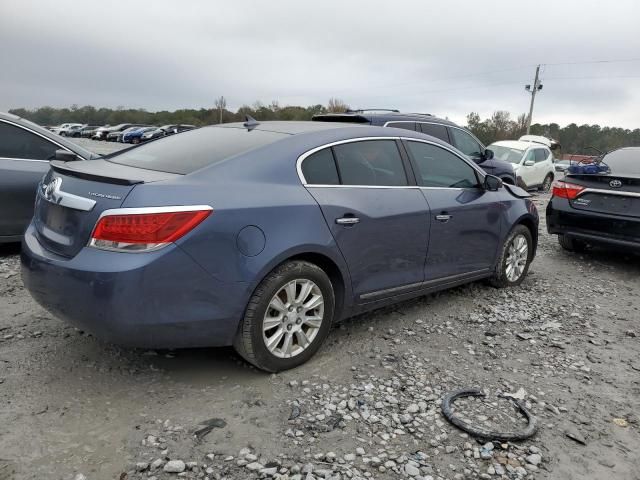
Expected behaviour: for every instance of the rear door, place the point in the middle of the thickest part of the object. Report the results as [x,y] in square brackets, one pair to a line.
[378,217]
[465,219]
[24,159]
[543,163]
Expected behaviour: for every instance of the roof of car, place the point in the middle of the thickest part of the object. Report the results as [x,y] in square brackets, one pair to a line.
[382,117]
[517,144]
[289,127]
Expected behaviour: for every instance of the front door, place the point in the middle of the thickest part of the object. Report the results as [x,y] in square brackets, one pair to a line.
[465,223]
[380,222]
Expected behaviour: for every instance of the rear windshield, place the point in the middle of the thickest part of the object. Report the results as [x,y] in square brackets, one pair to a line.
[195,149]
[624,162]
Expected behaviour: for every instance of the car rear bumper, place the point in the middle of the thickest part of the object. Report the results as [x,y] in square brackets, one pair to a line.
[161,299]
[592,227]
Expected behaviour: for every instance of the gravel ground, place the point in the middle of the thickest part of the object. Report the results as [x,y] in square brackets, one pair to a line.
[367,406]
[102,148]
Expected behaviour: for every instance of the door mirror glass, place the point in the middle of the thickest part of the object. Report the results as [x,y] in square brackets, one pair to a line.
[65,156]
[492,183]
[529,163]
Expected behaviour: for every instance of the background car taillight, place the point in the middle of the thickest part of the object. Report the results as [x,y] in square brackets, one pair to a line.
[566,190]
[145,229]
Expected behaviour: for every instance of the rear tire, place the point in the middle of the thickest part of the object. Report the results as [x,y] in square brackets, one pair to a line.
[546,184]
[571,244]
[515,258]
[293,305]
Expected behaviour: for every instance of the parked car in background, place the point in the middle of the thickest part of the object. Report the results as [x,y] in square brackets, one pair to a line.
[62,129]
[135,136]
[166,130]
[260,235]
[439,128]
[86,132]
[25,151]
[601,208]
[115,133]
[532,162]
[561,165]
[101,133]
[70,131]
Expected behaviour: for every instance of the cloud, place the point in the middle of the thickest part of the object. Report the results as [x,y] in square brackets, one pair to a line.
[448,58]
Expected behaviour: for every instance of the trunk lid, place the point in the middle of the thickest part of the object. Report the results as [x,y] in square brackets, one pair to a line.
[607,193]
[72,196]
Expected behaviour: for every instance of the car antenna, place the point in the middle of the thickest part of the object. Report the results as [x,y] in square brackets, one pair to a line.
[250,122]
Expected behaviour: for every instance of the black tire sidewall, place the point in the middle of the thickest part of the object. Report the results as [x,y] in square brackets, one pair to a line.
[274,282]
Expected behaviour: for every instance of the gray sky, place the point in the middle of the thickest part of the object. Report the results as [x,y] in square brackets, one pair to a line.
[447,58]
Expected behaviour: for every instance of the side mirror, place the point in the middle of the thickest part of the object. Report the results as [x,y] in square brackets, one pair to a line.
[65,156]
[488,154]
[529,163]
[492,183]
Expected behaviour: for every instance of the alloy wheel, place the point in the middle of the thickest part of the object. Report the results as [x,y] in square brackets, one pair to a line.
[546,186]
[517,256]
[293,318]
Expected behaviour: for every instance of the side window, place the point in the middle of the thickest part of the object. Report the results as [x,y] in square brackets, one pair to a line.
[370,162]
[16,142]
[541,154]
[438,167]
[530,156]
[465,143]
[320,168]
[438,131]
[406,125]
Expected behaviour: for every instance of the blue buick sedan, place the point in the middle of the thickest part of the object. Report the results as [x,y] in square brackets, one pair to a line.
[261,235]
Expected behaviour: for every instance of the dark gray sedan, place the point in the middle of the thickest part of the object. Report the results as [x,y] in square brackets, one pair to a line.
[25,151]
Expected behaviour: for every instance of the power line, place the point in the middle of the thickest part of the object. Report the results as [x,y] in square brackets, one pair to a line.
[625,60]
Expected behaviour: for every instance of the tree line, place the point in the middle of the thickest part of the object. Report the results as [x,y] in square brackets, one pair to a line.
[578,139]
[499,126]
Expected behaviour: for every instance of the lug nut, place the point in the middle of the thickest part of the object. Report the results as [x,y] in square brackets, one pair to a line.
[289,327]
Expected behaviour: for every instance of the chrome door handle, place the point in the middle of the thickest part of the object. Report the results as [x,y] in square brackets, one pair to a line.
[347,220]
[443,217]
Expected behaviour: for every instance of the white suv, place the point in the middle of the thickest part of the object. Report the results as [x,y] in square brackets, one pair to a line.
[532,162]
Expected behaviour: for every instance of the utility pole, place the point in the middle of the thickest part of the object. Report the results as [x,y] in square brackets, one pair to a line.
[536,86]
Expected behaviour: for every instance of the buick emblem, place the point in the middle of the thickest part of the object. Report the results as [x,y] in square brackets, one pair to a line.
[50,190]
[615,183]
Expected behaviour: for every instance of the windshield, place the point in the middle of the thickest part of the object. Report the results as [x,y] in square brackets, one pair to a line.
[195,149]
[506,154]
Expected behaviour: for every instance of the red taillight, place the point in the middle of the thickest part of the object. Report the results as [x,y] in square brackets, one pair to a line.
[566,190]
[144,229]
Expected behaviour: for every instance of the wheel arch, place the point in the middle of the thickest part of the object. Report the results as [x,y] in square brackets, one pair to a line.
[335,268]
[529,222]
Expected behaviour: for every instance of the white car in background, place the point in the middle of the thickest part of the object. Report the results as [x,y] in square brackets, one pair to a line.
[532,161]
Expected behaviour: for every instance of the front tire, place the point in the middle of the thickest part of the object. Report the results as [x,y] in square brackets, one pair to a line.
[287,318]
[515,258]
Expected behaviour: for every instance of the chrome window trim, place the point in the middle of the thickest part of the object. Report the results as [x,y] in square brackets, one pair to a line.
[609,192]
[24,159]
[302,157]
[41,136]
